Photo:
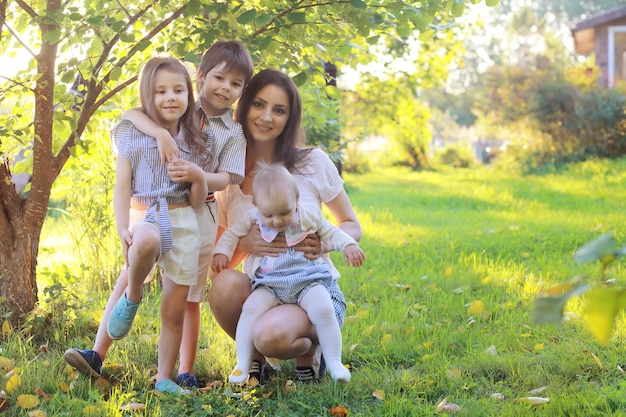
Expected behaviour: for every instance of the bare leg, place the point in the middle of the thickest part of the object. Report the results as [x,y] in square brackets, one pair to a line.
[285,332]
[319,307]
[103,341]
[257,303]
[191,334]
[173,302]
[142,255]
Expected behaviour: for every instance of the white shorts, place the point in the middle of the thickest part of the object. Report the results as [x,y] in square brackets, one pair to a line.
[180,264]
[207,225]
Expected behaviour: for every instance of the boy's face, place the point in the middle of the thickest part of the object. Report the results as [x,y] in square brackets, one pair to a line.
[277,212]
[219,89]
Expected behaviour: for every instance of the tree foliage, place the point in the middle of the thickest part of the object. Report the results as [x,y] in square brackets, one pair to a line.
[102,44]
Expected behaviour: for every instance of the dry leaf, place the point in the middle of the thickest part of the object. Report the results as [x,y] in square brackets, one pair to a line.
[379,394]
[133,407]
[537,390]
[492,350]
[40,392]
[497,396]
[445,407]
[454,373]
[92,411]
[339,411]
[475,308]
[533,400]
[3,401]
[13,383]
[290,386]
[64,387]
[27,401]
[37,413]
[6,328]
[6,363]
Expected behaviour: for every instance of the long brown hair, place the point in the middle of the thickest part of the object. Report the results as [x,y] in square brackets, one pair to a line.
[189,122]
[289,143]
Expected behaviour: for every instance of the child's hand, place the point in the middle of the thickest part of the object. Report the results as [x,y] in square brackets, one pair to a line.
[353,255]
[168,150]
[219,262]
[127,240]
[180,170]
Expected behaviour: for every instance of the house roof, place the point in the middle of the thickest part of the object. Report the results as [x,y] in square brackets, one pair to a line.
[584,31]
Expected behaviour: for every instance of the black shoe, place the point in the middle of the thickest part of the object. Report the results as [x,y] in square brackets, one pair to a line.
[85,361]
[187,380]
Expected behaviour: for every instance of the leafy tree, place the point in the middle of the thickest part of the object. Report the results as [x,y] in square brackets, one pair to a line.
[97,46]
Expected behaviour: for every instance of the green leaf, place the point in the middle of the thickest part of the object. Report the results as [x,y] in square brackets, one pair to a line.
[421,21]
[604,304]
[116,73]
[457,8]
[403,29]
[333,92]
[493,3]
[358,4]
[95,20]
[549,308]
[53,36]
[263,20]
[297,17]
[300,79]
[600,248]
[127,37]
[246,17]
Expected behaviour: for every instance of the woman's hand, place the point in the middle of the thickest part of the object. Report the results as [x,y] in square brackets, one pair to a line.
[253,243]
[311,246]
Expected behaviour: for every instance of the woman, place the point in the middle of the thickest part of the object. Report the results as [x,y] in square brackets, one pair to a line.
[270,111]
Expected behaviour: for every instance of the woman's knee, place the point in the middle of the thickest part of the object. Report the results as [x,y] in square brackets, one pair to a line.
[229,288]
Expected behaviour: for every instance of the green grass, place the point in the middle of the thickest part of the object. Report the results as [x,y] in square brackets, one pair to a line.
[435,243]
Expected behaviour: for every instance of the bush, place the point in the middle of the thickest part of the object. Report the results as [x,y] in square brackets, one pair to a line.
[456,155]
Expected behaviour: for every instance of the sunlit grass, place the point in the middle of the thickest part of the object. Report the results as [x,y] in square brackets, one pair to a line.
[436,244]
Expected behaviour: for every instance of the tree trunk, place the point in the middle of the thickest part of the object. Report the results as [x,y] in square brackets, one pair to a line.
[18,263]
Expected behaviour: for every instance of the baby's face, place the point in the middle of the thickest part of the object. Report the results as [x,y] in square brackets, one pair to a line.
[277,212]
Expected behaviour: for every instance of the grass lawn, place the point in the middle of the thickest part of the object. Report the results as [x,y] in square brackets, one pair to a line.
[441,309]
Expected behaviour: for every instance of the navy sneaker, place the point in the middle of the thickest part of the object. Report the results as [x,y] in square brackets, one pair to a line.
[187,380]
[121,318]
[85,361]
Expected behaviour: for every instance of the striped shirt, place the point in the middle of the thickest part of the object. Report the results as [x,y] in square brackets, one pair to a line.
[227,144]
[151,186]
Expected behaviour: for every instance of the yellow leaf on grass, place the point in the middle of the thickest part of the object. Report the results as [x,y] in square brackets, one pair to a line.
[339,411]
[13,383]
[475,308]
[386,339]
[6,328]
[92,411]
[27,401]
[379,394]
[533,400]
[6,364]
[454,373]
[133,407]
[37,413]
[64,387]
[538,347]
[428,344]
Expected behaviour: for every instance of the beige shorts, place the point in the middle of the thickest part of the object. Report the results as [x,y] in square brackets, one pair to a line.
[207,225]
[180,264]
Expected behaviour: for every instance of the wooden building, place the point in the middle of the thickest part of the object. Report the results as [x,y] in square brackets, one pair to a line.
[605,35]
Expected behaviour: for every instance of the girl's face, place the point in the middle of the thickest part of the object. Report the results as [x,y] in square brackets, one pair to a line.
[170,98]
[268,114]
[219,89]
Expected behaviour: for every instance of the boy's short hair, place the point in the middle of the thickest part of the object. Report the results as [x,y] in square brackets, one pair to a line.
[233,53]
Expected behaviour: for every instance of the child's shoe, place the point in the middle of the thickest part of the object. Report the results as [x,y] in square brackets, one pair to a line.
[187,380]
[85,361]
[121,318]
[167,386]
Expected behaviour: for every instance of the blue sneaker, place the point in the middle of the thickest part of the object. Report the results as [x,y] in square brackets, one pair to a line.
[121,318]
[187,380]
[85,361]
[167,386]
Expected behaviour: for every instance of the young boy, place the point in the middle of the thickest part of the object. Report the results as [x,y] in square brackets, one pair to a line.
[289,277]
[224,70]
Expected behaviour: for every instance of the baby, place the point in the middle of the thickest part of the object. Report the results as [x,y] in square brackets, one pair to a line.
[288,278]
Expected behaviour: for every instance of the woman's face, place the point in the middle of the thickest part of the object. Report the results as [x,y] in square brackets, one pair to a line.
[268,114]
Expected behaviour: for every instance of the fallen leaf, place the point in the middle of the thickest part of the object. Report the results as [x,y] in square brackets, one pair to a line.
[454,373]
[379,394]
[37,413]
[475,308]
[92,411]
[497,396]
[595,358]
[6,364]
[537,390]
[339,411]
[13,383]
[40,392]
[27,401]
[64,387]
[533,400]
[492,350]
[290,386]
[133,407]
[445,407]
[6,328]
